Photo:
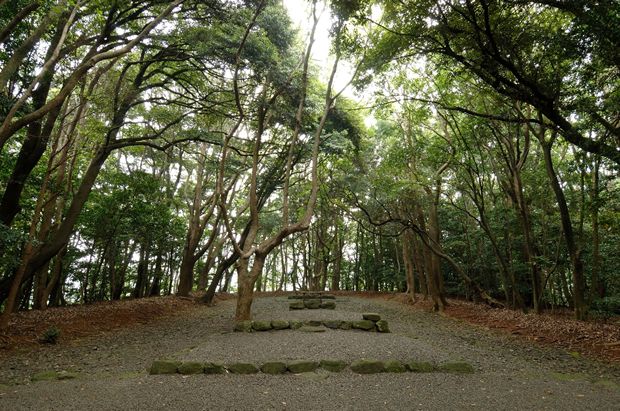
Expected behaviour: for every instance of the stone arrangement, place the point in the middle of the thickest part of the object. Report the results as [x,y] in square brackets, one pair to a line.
[362,366]
[369,322]
[312,300]
[312,295]
[312,304]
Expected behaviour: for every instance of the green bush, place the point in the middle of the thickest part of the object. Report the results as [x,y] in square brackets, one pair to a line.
[606,307]
[50,336]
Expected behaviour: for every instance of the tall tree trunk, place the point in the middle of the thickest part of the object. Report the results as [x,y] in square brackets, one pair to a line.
[409,264]
[338,252]
[186,274]
[142,272]
[418,261]
[247,278]
[59,239]
[38,132]
[597,290]
[155,288]
[579,301]
[217,277]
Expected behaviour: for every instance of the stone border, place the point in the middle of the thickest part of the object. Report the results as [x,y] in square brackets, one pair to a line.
[312,304]
[362,366]
[370,322]
[306,296]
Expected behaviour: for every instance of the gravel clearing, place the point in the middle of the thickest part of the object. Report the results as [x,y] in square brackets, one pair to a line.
[510,373]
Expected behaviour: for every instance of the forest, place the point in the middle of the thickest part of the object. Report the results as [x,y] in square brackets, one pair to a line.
[157,147]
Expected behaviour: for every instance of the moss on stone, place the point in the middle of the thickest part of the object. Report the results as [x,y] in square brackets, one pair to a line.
[243,326]
[333,365]
[457,367]
[187,368]
[313,323]
[280,324]
[345,325]
[242,368]
[394,366]
[274,367]
[311,329]
[213,368]
[300,366]
[312,304]
[328,305]
[367,366]
[296,305]
[333,324]
[164,367]
[371,316]
[420,366]
[382,326]
[365,325]
[261,325]
[296,324]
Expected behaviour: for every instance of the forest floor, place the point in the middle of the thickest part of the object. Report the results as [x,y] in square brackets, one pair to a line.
[593,339]
[522,361]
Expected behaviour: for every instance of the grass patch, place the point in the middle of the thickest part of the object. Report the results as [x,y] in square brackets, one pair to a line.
[45,376]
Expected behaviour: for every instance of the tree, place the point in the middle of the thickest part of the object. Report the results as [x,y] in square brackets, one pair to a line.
[548,64]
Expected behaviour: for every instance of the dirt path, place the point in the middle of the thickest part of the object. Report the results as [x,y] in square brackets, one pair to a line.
[509,373]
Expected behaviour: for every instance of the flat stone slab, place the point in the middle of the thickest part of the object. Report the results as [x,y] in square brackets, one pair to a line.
[296,324]
[371,316]
[394,366]
[242,368]
[312,329]
[328,305]
[312,304]
[244,326]
[188,368]
[296,305]
[164,367]
[333,365]
[420,366]
[365,325]
[297,367]
[274,367]
[310,295]
[333,324]
[214,368]
[359,366]
[345,325]
[280,324]
[368,366]
[382,326]
[261,325]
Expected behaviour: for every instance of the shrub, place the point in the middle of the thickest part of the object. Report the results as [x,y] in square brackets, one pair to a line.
[50,336]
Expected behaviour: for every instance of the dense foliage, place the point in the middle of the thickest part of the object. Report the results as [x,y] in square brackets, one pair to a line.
[157,147]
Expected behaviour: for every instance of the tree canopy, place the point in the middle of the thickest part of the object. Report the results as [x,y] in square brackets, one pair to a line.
[170,147]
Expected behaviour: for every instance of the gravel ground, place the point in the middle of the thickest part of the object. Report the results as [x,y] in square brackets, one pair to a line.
[510,373]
